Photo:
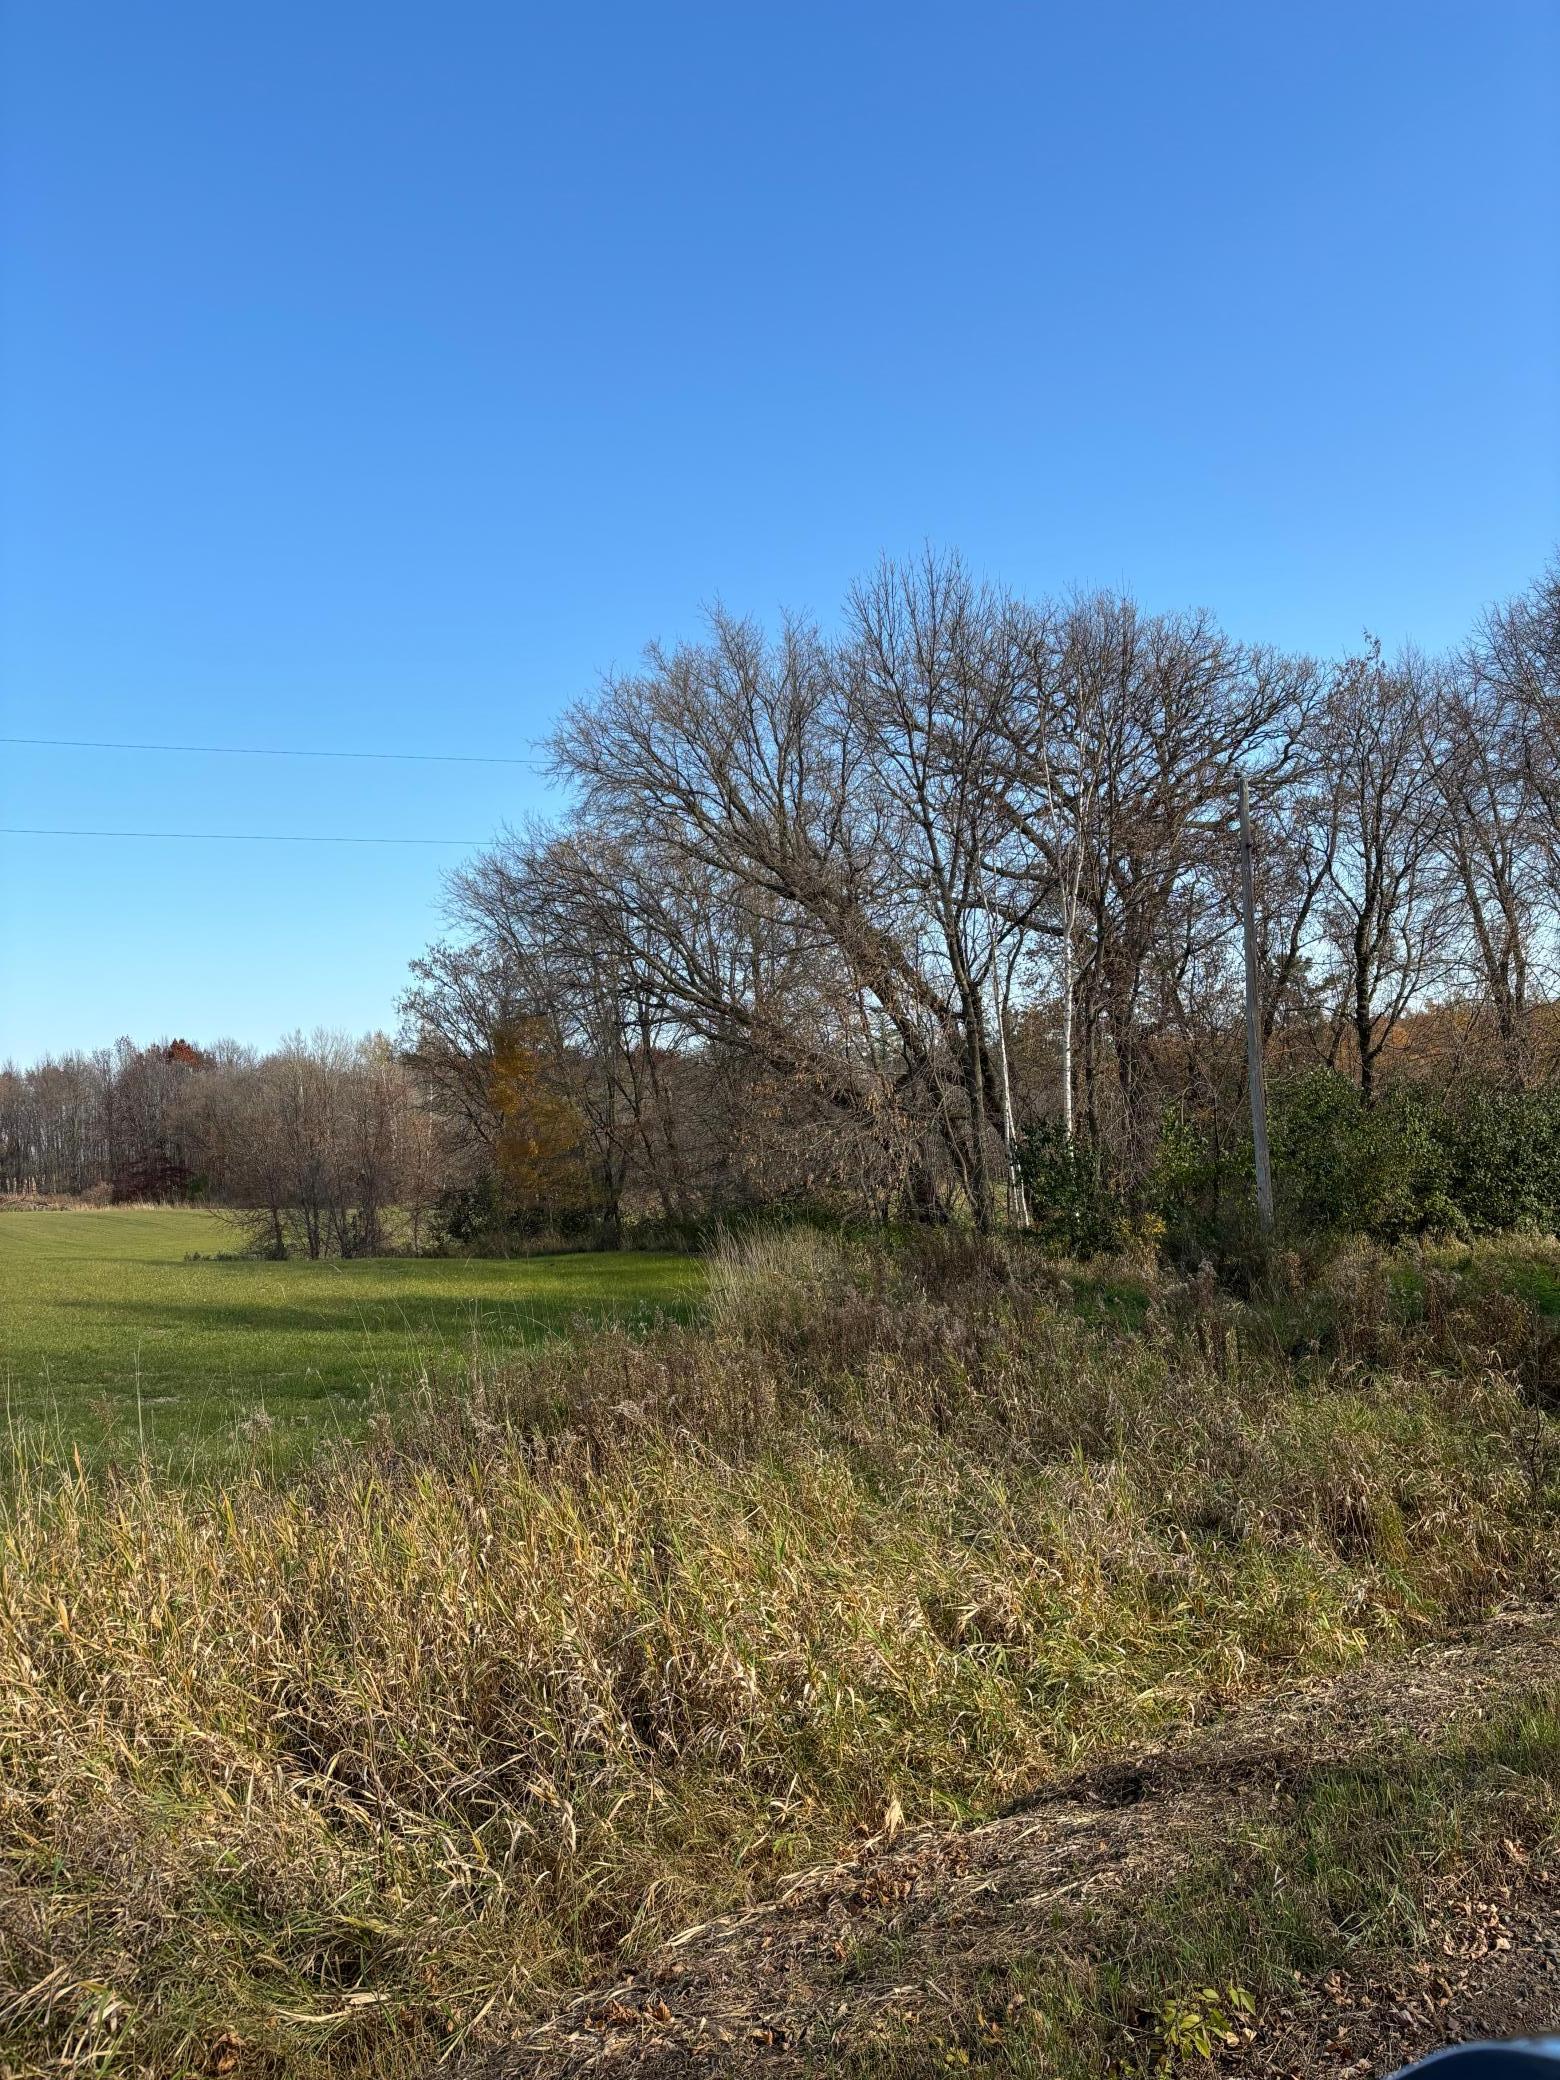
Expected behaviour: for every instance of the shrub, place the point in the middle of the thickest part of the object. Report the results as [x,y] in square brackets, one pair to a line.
[1503,1159]
[1073,1208]
[479,1219]
[1475,1161]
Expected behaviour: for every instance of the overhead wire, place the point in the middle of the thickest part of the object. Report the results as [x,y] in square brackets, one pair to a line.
[12,830]
[447,758]
[436,758]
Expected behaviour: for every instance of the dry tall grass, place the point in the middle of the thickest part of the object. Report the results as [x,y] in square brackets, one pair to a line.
[314,1776]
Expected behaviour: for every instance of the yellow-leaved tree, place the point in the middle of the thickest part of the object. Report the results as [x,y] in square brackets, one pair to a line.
[541,1134]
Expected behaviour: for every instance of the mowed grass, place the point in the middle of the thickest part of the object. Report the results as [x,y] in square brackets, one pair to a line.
[117,1326]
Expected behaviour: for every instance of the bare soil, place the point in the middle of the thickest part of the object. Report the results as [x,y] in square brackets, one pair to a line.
[875,1948]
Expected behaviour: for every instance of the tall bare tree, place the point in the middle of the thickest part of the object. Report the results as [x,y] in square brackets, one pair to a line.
[1387,913]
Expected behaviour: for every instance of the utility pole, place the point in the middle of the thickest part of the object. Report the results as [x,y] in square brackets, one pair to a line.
[1255,1083]
[1067,1030]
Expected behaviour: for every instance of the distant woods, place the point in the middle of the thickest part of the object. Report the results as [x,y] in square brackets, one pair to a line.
[323,1146]
[930,916]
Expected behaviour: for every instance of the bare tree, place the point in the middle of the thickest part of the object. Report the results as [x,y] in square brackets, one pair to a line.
[1117,771]
[1473,738]
[747,795]
[1516,651]
[1387,913]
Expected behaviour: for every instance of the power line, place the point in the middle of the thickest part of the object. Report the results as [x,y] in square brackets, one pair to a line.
[231,837]
[424,758]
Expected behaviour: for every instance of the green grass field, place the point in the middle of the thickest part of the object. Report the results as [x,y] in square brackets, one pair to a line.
[109,1333]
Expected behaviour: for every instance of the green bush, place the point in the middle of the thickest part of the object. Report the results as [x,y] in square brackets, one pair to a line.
[1466,1162]
[1203,1201]
[1503,1152]
[477,1220]
[1072,1206]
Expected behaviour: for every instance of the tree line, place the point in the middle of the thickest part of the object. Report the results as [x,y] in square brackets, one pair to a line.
[854,916]
[324,1146]
[861,919]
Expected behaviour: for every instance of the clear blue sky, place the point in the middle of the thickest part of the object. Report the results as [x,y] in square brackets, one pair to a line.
[374,375]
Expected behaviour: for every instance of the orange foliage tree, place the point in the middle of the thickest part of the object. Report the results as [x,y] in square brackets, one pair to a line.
[541,1133]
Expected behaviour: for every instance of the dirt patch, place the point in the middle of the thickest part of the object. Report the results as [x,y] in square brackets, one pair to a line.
[866,1949]
[1492,1969]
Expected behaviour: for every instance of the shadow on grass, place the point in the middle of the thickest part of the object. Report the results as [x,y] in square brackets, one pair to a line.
[1339,1871]
[450,1321]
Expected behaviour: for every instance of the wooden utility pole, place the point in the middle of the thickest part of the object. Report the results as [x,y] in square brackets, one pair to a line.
[1255,1082]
